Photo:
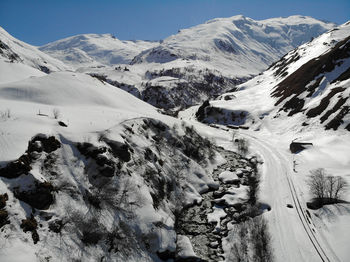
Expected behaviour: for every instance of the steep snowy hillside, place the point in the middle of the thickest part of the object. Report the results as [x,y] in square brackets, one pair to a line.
[15,51]
[309,85]
[95,50]
[89,168]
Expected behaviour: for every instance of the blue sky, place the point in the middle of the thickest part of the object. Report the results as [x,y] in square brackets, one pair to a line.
[41,21]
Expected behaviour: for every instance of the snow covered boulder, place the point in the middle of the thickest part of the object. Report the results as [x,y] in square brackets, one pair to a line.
[184,248]
[229,177]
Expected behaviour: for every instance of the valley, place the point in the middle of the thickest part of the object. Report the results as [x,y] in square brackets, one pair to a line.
[179,149]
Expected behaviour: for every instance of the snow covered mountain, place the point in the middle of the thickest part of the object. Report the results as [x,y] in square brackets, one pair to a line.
[95,50]
[310,84]
[15,51]
[239,46]
[196,64]
[89,172]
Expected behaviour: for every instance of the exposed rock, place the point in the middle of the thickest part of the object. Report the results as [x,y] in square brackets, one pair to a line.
[30,224]
[56,226]
[17,168]
[41,143]
[62,124]
[119,150]
[41,197]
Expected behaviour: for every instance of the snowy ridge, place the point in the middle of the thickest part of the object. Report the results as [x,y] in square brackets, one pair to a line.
[95,50]
[12,49]
[237,44]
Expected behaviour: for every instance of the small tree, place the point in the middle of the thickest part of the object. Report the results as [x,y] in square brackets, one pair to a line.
[326,188]
[5,114]
[330,187]
[317,183]
[340,187]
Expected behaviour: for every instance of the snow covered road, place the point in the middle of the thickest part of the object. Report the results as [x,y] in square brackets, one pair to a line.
[294,236]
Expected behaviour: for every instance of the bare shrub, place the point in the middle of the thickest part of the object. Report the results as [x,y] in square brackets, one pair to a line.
[242,146]
[6,114]
[326,188]
[239,246]
[253,188]
[56,113]
[261,240]
[340,187]
[317,183]
[89,230]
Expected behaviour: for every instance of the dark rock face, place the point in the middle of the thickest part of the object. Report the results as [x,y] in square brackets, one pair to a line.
[56,226]
[44,69]
[62,124]
[22,165]
[40,194]
[3,213]
[119,150]
[30,224]
[3,199]
[309,79]
[89,150]
[41,143]
[200,114]
[6,51]
[41,197]
[3,218]
[17,167]
[165,255]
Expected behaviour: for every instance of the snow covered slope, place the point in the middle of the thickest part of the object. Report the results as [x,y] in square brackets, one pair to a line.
[16,51]
[239,46]
[95,50]
[309,85]
[90,172]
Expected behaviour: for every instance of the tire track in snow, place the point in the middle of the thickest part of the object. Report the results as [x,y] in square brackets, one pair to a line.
[304,222]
